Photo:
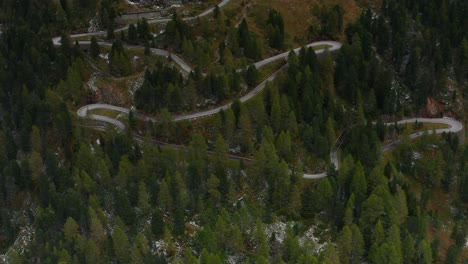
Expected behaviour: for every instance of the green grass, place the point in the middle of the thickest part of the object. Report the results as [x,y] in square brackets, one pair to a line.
[321,47]
[421,127]
[123,117]
[298,16]
[267,70]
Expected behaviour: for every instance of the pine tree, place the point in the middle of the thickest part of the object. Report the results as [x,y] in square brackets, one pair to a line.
[94,49]
[71,230]
[359,183]
[97,231]
[378,234]
[261,241]
[157,223]
[308,204]
[324,195]
[345,244]
[140,249]
[143,202]
[143,29]
[164,197]
[284,146]
[245,132]
[372,210]
[393,239]
[357,245]
[251,76]
[424,252]
[212,186]
[275,29]
[120,244]
[131,120]
[92,252]
[408,249]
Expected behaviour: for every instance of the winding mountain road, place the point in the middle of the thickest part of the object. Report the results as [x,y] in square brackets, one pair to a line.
[454,125]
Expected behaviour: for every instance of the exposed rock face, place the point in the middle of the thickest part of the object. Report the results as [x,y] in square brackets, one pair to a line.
[433,108]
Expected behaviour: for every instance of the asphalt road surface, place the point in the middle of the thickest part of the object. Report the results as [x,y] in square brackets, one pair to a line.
[454,125]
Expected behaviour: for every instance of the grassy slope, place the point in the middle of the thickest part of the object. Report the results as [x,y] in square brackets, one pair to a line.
[440,202]
[298,16]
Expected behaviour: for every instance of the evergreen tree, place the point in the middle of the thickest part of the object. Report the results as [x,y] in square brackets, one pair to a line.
[157,223]
[275,29]
[251,76]
[345,244]
[94,49]
[408,249]
[357,245]
[120,244]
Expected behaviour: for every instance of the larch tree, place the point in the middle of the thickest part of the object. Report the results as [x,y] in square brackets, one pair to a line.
[359,183]
[345,244]
[372,210]
[357,251]
[120,243]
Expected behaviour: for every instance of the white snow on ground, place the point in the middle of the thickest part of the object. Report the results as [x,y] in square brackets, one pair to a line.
[237,149]
[104,56]
[235,259]
[416,155]
[131,3]
[310,237]
[279,228]
[161,247]
[194,224]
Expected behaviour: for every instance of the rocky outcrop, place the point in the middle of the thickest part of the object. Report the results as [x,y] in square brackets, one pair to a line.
[433,108]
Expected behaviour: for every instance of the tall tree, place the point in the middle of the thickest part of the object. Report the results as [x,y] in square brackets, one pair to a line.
[94,49]
[120,244]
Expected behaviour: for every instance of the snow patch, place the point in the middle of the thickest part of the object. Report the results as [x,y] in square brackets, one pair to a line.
[131,3]
[237,149]
[310,237]
[161,247]
[279,228]
[194,224]
[104,56]
[235,259]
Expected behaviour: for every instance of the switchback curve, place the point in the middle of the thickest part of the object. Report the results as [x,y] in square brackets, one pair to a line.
[454,126]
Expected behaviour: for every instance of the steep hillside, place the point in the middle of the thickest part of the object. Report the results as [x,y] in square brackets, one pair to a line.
[204,156]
